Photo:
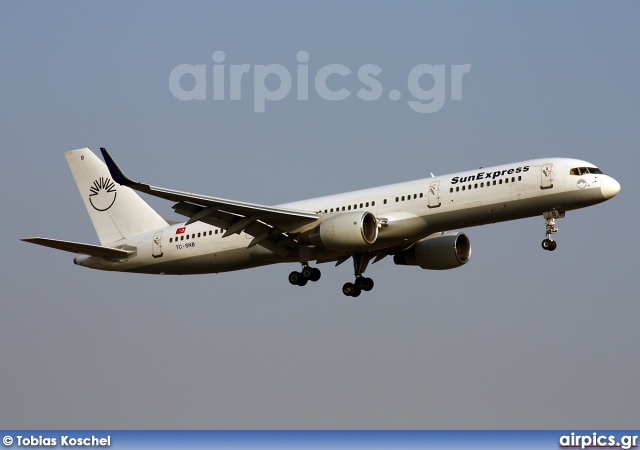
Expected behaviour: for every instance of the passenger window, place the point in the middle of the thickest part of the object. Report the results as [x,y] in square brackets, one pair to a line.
[519,178]
[373,203]
[506,180]
[450,190]
[475,186]
[457,188]
[463,188]
[182,238]
[198,234]
[170,240]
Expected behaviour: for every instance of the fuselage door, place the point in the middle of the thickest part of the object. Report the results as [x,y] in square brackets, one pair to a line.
[546,176]
[156,244]
[433,194]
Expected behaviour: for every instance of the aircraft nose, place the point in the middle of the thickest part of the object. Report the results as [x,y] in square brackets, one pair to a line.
[609,187]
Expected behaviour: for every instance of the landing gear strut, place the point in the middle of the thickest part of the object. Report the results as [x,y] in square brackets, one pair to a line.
[307,274]
[550,222]
[360,262]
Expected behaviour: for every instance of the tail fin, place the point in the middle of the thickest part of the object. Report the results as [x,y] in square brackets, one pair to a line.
[116,211]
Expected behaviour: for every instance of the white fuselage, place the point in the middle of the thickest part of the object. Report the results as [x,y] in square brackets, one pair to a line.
[406,212]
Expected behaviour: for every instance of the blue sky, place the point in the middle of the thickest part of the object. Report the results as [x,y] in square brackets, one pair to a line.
[517,338]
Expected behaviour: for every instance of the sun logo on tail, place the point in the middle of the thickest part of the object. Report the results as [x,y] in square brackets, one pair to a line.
[103,193]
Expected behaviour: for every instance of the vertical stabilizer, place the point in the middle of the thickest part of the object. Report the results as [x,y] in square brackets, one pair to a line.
[116,211]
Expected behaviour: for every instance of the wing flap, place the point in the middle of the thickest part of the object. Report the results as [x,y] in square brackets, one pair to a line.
[83,249]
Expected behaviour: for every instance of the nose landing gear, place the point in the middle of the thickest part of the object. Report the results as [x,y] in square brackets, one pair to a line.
[550,222]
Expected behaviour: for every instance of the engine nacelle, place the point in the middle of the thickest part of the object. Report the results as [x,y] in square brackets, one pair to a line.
[438,252]
[346,231]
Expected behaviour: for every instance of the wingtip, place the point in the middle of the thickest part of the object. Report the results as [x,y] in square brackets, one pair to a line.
[116,173]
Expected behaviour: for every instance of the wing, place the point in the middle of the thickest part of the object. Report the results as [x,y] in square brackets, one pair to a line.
[270,226]
[83,249]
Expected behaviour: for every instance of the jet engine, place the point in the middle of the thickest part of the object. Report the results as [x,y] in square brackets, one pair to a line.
[346,231]
[437,252]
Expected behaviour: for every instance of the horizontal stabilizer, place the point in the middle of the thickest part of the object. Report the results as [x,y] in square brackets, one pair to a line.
[83,249]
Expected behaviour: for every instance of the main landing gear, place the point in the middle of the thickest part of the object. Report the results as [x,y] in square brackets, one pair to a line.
[361,283]
[356,288]
[307,274]
[550,222]
[360,262]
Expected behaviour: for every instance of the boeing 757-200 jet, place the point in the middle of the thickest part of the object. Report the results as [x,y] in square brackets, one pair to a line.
[410,221]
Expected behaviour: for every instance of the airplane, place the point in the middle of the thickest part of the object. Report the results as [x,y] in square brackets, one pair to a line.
[412,221]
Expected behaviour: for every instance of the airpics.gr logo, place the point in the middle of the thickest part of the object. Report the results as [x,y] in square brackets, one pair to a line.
[103,194]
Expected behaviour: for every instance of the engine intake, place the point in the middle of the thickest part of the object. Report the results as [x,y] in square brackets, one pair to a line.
[438,252]
[347,231]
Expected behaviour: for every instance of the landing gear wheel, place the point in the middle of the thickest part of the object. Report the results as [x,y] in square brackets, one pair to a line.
[297,279]
[311,273]
[351,290]
[348,289]
[294,277]
[549,244]
[306,272]
[365,284]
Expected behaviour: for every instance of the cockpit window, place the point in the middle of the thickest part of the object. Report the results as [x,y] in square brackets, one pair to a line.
[584,170]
